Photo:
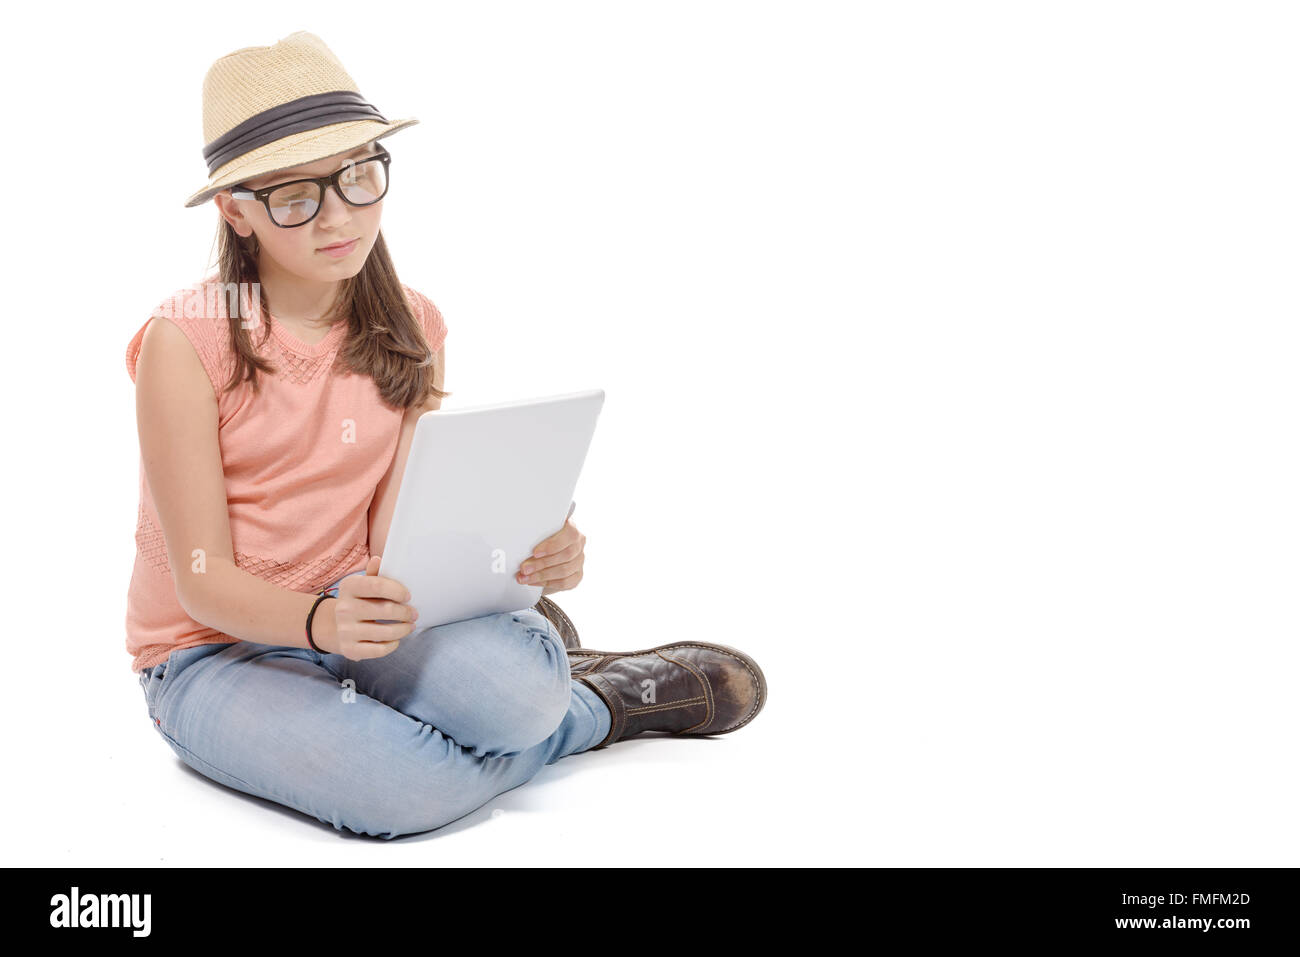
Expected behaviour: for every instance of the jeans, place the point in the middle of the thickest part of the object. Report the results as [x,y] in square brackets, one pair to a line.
[408,742]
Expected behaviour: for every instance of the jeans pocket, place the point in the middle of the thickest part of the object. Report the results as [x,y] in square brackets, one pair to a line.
[150,681]
[158,682]
[167,673]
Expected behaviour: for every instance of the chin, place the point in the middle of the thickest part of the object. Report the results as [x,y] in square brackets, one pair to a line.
[343,269]
[349,269]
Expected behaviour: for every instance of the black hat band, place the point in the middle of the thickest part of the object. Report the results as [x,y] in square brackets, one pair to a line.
[304,113]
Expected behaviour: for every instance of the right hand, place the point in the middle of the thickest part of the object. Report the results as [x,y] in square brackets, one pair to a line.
[363,599]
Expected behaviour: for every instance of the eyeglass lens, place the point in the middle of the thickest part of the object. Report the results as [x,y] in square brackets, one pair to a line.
[361,184]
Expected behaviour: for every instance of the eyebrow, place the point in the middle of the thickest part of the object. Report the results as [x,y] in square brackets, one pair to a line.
[284,177]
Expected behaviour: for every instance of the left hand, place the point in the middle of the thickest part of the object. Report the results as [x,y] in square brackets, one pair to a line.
[556,562]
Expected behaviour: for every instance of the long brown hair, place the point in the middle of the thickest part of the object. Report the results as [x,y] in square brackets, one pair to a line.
[384,339]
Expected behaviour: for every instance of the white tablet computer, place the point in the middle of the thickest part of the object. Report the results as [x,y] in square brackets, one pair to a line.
[482,486]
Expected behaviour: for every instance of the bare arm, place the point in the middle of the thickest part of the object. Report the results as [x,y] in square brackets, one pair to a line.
[385,500]
[176,413]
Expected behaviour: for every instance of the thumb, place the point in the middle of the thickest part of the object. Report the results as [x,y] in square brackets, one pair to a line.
[372,566]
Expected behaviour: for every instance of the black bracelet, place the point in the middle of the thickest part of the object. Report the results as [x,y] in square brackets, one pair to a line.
[312,614]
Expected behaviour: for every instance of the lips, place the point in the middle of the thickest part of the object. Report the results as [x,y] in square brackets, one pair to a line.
[341,245]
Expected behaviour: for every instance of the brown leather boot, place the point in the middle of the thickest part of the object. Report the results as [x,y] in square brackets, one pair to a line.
[686,688]
[553,613]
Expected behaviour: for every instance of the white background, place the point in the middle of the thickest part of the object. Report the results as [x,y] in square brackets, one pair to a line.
[949,352]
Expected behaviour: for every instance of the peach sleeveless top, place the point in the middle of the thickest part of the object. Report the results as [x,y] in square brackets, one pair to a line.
[302,460]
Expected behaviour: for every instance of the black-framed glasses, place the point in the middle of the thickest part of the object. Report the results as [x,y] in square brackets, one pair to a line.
[361,182]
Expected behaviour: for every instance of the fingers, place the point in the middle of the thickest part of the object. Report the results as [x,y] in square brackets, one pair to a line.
[531,566]
[374,586]
[371,613]
[566,583]
[372,609]
[368,639]
[374,633]
[560,576]
[372,649]
[561,539]
[536,571]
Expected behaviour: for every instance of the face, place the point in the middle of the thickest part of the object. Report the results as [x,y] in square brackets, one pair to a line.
[299,250]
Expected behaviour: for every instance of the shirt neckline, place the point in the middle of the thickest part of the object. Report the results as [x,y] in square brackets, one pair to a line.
[293,343]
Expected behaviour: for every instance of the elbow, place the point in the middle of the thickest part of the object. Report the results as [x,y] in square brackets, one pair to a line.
[189,601]
[192,593]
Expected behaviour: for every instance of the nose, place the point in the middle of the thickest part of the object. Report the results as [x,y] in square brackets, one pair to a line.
[334,212]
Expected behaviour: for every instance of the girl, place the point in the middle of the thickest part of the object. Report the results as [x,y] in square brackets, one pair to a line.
[276,402]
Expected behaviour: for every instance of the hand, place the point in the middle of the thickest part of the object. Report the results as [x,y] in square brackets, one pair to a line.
[356,633]
[556,562]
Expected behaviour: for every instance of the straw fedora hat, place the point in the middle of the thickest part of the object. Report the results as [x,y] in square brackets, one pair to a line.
[271,108]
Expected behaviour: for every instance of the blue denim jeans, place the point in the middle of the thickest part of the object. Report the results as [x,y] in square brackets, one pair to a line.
[386,746]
